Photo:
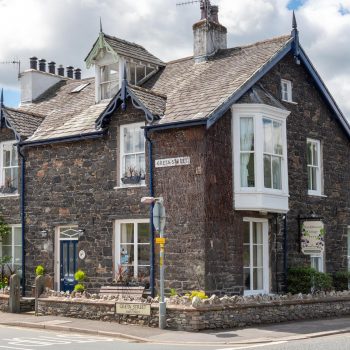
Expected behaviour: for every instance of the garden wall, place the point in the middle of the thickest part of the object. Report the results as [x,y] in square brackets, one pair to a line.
[206,316]
[4,302]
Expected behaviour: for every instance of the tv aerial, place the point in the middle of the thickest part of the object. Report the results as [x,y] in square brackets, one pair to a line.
[15,62]
[205,6]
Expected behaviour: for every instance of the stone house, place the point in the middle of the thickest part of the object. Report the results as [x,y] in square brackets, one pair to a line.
[246,145]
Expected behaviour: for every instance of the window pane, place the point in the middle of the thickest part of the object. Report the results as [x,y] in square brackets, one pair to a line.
[140,163]
[309,153]
[7,158]
[276,171]
[246,236]
[246,278]
[257,233]
[268,142]
[247,170]
[257,278]
[309,178]
[14,161]
[7,240]
[257,255]
[267,171]
[277,138]
[17,236]
[127,254]
[314,154]
[143,254]
[129,165]
[15,177]
[246,255]
[127,233]
[247,134]
[6,250]
[140,73]
[128,140]
[143,233]
[314,178]
[139,140]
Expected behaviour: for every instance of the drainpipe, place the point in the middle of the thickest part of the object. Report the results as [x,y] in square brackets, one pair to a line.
[285,252]
[23,166]
[151,190]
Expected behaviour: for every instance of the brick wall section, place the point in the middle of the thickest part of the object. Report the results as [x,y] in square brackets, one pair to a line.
[10,206]
[73,184]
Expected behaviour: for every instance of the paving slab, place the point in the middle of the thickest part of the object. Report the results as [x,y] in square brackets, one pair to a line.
[136,333]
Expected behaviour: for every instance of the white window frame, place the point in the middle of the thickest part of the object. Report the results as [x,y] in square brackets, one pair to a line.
[259,198]
[2,176]
[117,231]
[122,154]
[320,263]
[266,264]
[288,91]
[12,227]
[319,171]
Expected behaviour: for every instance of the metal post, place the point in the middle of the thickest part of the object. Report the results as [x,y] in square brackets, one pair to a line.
[162,304]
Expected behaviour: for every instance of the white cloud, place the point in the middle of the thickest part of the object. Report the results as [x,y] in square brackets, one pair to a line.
[64,31]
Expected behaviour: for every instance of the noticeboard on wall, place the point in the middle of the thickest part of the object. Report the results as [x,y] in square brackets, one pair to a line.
[312,237]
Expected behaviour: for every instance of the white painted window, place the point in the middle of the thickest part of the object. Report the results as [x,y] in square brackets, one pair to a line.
[11,246]
[273,153]
[314,167]
[260,158]
[132,155]
[255,256]
[109,80]
[317,262]
[132,247]
[8,168]
[286,87]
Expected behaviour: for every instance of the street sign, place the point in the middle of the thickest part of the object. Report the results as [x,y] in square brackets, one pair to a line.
[159,216]
[133,309]
[160,240]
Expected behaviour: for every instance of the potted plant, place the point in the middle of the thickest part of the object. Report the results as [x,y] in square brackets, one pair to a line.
[132,176]
[79,276]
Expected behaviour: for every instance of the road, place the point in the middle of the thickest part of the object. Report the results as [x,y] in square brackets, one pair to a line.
[15,338]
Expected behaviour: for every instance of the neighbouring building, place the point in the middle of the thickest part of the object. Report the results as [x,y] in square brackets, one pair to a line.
[246,145]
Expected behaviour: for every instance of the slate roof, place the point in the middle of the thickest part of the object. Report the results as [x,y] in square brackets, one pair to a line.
[65,113]
[153,101]
[195,90]
[25,124]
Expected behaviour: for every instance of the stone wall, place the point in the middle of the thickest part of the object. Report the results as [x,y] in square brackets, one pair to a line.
[228,313]
[77,183]
[4,302]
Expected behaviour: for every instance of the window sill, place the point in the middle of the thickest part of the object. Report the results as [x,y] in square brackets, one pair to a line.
[291,102]
[130,186]
[9,195]
[311,194]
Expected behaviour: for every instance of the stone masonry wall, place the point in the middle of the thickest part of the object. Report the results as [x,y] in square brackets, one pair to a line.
[74,184]
[10,205]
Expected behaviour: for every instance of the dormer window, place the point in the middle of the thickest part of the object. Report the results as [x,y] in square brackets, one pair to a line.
[109,83]
[286,87]
[137,72]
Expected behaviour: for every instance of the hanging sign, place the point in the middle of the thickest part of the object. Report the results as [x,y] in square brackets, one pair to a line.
[312,237]
[162,163]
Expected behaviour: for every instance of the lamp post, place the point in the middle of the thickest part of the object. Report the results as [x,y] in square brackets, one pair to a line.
[159,224]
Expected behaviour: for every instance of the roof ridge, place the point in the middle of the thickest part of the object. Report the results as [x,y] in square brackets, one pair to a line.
[262,41]
[148,91]
[18,110]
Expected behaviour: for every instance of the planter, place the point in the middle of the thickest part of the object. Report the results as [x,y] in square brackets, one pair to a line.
[131,180]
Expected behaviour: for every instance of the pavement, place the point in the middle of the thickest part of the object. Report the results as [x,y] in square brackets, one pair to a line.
[143,334]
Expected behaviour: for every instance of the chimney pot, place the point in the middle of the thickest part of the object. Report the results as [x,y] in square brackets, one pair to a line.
[42,65]
[214,13]
[52,67]
[60,70]
[33,62]
[77,74]
[70,72]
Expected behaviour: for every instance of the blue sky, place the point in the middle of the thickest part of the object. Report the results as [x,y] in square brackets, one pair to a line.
[295,4]
[11,97]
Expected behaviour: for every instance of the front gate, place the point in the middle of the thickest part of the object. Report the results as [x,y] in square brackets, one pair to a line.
[69,262]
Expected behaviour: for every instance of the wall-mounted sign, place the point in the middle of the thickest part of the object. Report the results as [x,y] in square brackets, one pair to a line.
[162,163]
[133,309]
[312,237]
[82,254]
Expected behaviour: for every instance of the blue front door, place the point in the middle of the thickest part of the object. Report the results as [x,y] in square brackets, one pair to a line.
[69,259]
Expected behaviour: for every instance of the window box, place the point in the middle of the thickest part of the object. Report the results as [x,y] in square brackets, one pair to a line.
[260,158]
[131,180]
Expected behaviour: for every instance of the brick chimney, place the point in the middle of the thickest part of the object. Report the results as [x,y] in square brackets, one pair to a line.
[209,35]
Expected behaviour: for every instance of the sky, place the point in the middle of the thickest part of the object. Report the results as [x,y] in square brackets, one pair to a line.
[65,30]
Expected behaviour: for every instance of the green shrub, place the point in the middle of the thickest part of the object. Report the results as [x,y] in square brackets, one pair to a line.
[173,292]
[79,276]
[306,279]
[197,293]
[39,270]
[341,280]
[79,288]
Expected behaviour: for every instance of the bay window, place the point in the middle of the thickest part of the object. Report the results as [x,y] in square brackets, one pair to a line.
[260,157]
[132,154]
[132,247]
[8,168]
